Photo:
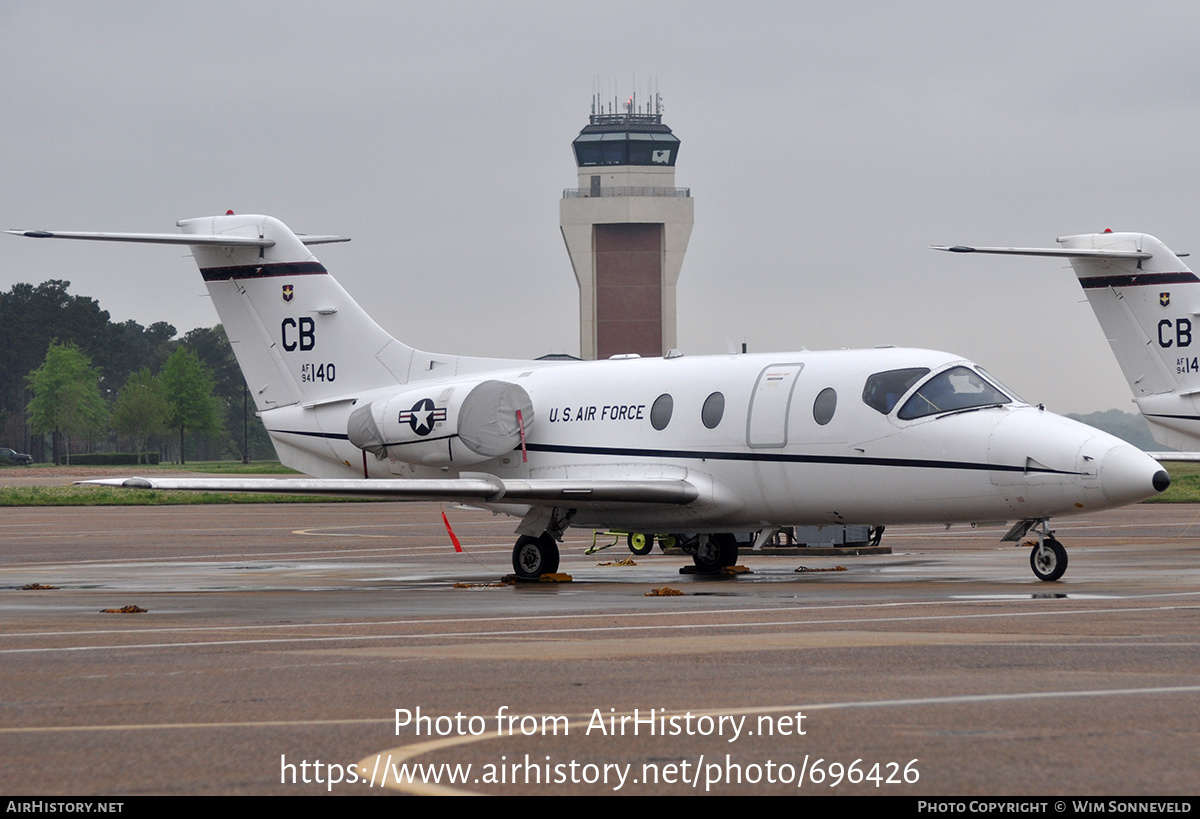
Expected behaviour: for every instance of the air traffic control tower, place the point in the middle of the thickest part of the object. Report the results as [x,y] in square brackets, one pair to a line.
[626,227]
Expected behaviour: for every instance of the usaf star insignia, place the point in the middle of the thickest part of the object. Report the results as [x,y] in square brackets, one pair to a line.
[423,416]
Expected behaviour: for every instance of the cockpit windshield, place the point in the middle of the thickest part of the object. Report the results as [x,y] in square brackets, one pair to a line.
[883,390]
[958,388]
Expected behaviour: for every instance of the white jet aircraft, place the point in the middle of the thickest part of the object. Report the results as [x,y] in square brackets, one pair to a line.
[1147,302]
[702,446]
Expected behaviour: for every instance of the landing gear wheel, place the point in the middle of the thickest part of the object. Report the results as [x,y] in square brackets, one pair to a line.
[1049,560]
[639,543]
[715,551]
[535,556]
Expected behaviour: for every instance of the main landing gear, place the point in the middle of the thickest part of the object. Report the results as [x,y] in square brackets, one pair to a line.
[1049,557]
[711,553]
[536,556]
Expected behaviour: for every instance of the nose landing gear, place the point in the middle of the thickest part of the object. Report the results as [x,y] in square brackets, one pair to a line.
[1049,557]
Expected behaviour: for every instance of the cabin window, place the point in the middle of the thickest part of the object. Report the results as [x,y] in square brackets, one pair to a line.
[713,410]
[660,411]
[824,406]
[884,389]
[958,388]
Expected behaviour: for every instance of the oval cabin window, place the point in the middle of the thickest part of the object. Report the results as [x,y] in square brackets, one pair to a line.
[713,410]
[825,406]
[660,412]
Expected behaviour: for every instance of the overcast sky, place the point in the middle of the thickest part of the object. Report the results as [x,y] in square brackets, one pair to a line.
[826,146]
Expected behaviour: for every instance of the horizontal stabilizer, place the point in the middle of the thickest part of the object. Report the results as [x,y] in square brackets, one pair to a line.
[1069,253]
[148,238]
[472,486]
[321,240]
[192,239]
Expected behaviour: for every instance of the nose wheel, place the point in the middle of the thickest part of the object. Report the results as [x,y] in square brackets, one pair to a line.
[1048,559]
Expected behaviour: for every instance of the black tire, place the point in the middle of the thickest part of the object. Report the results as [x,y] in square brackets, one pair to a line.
[715,552]
[668,542]
[535,556]
[1050,566]
[640,543]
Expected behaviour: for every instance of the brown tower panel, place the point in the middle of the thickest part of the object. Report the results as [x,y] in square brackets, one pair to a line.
[628,289]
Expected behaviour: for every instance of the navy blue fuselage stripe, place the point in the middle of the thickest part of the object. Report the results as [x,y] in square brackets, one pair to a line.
[784,457]
[1138,279]
[764,457]
[1176,417]
[337,436]
[262,271]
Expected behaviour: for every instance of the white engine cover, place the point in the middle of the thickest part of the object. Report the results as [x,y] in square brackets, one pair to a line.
[442,425]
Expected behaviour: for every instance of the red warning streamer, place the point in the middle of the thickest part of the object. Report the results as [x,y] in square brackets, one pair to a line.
[453,538]
[521,424]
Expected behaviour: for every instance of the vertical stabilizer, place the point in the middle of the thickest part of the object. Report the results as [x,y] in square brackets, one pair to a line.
[1148,304]
[1146,307]
[298,336]
[1149,308]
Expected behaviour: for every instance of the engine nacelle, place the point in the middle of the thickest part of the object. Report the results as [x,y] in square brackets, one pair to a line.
[444,424]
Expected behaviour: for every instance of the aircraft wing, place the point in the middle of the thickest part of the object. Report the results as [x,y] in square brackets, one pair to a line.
[1063,252]
[1178,457]
[471,486]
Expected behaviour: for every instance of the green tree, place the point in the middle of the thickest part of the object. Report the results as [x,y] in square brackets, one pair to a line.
[244,434]
[188,387]
[66,395]
[142,409]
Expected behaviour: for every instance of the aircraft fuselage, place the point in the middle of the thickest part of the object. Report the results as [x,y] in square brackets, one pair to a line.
[764,459]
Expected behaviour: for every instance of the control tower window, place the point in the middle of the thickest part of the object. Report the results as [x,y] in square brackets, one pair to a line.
[625,147]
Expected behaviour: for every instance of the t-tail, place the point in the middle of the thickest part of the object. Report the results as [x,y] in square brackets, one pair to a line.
[1148,304]
[297,334]
[302,342]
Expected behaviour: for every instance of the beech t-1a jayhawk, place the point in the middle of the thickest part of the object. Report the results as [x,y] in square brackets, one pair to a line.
[699,446]
[1148,304]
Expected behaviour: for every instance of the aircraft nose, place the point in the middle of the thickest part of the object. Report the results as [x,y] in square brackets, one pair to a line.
[1128,475]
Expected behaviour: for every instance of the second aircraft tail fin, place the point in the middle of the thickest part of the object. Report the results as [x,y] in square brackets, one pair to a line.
[1148,304]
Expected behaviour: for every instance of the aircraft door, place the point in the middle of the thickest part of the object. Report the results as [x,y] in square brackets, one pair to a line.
[767,424]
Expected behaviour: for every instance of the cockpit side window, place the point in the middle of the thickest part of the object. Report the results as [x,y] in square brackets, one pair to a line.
[958,388]
[883,390]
